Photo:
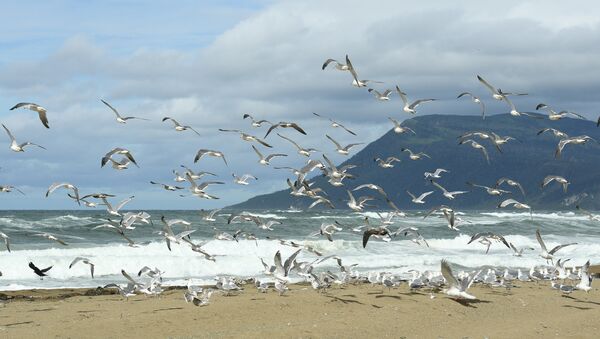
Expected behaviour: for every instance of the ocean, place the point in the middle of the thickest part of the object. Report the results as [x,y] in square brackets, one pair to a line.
[110,253]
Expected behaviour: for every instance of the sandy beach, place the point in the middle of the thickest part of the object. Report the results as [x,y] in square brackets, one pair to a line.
[528,310]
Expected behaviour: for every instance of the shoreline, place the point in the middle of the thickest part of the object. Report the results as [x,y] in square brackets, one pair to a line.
[526,310]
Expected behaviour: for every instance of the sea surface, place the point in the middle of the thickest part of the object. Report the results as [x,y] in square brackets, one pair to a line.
[110,253]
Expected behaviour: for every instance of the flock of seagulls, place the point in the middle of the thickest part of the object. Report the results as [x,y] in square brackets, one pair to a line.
[178,232]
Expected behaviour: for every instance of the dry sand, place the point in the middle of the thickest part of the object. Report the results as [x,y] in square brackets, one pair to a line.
[362,311]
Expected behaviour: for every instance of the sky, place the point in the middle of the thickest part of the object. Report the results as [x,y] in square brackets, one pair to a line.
[206,63]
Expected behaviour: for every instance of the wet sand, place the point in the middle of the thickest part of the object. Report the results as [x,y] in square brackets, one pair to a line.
[528,310]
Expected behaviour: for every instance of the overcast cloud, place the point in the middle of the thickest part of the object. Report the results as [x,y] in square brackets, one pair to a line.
[208,63]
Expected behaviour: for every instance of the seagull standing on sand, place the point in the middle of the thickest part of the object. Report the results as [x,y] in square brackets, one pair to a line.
[120,119]
[16,147]
[36,108]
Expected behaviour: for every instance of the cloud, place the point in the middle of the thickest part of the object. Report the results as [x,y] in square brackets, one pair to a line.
[265,59]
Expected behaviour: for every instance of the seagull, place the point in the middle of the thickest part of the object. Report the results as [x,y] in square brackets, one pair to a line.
[387,163]
[328,229]
[476,100]
[490,190]
[498,140]
[379,96]
[510,182]
[487,236]
[410,107]
[343,150]
[216,154]
[592,217]
[65,185]
[339,66]
[9,188]
[302,151]
[178,126]
[50,237]
[118,150]
[335,124]
[36,108]
[167,187]
[436,174]
[198,189]
[246,137]
[123,164]
[167,231]
[419,200]
[284,124]
[40,272]
[515,204]
[243,180]
[449,195]
[266,160]
[282,270]
[519,252]
[256,123]
[120,119]
[578,140]
[16,147]
[355,81]
[210,216]
[513,109]
[359,205]
[548,179]
[476,145]
[585,284]
[6,240]
[557,133]
[548,255]
[399,129]
[415,156]
[381,232]
[496,93]
[115,210]
[85,261]
[373,187]
[458,288]
[553,115]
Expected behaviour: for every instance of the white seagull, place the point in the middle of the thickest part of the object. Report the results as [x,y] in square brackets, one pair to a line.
[120,119]
[16,147]
[36,108]
[410,107]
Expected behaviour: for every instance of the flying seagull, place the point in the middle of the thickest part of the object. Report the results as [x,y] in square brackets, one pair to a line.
[335,124]
[548,255]
[266,160]
[120,119]
[179,127]
[410,107]
[51,237]
[256,123]
[385,96]
[246,137]
[355,81]
[496,93]
[65,185]
[578,140]
[561,180]
[211,153]
[449,195]
[414,156]
[167,187]
[419,200]
[342,150]
[510,182]
[457,288]
[476,100]
[302,151]
[16,147]
[120,151]
[9,188]
[476,145]
[85,261]
[36,108]
[284,124]
[399,129]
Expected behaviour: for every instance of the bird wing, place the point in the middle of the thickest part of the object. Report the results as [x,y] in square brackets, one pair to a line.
[44,270]
[290,140]
[486,84]
[447,274]
[418,102]
[112,108]
[12,137]
[555,249]
[122,203]
[271,156]
[274,126]
[538,236]
[337,145]
[257,152]
[422,196]
[173,120]
[326,63]
[287,265]
[438,186]
[402,95]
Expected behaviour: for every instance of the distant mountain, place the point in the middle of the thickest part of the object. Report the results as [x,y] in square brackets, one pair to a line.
[527,160]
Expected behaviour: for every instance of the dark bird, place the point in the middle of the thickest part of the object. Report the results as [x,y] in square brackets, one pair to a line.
[41,273]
